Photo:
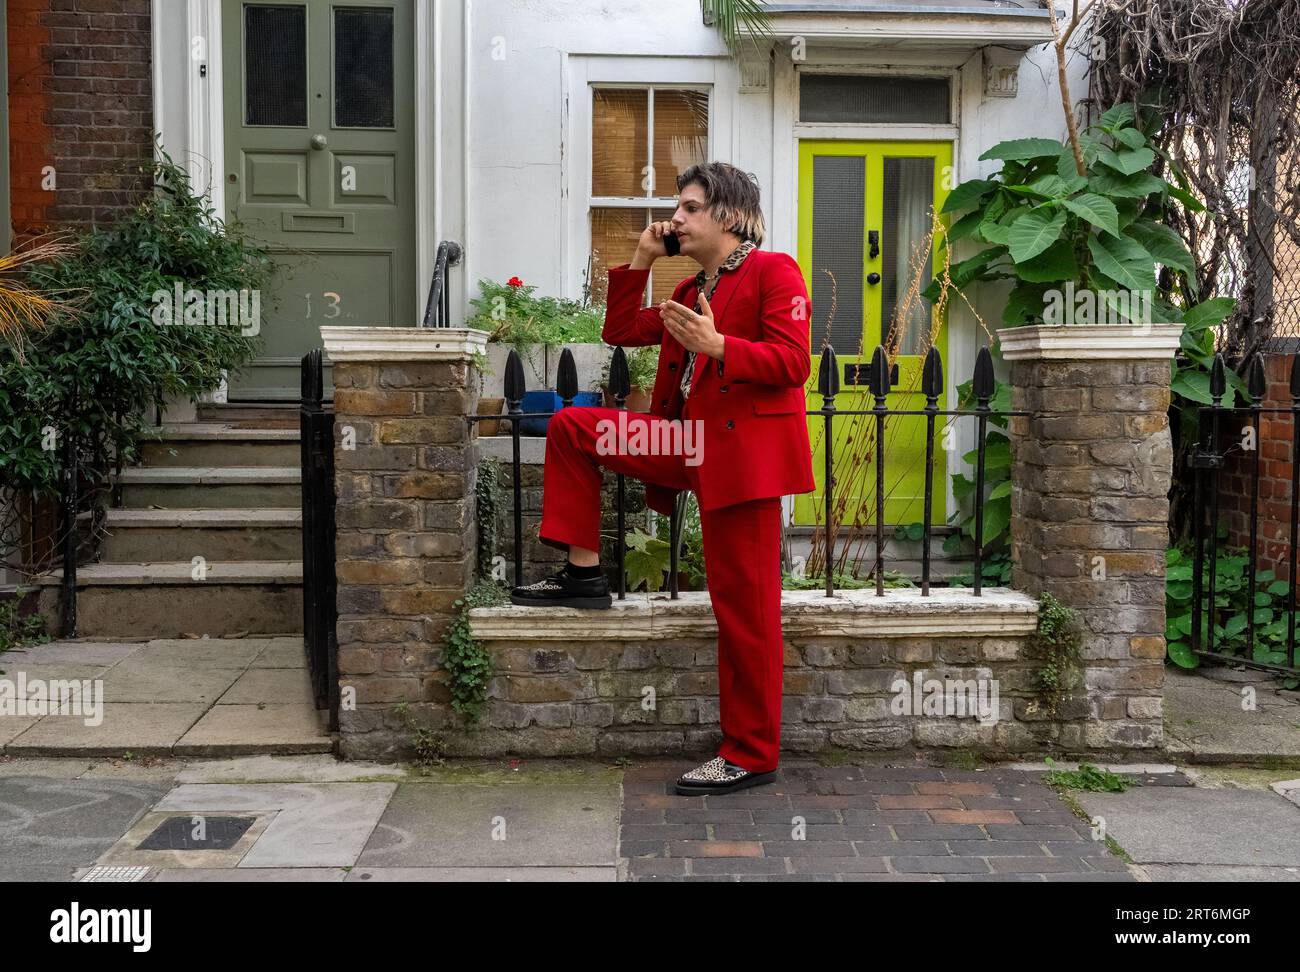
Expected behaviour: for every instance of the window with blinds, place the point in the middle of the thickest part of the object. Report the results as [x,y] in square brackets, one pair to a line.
[642,139]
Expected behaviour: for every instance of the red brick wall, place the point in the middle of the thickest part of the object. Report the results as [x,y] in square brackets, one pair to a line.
[81,100]
[1275,443]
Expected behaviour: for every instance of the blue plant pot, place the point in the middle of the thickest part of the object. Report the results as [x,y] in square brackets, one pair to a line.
[549,401]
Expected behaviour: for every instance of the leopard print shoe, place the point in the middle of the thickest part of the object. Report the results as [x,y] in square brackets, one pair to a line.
[720,776]
[562,590]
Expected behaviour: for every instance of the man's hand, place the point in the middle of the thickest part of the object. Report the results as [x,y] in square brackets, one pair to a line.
[695,332]
[650,247]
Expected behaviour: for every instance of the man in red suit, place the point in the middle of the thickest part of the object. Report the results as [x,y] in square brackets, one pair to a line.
[729,398]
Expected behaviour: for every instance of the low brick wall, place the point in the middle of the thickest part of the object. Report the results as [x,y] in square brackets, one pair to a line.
[1091,467]
[642,679]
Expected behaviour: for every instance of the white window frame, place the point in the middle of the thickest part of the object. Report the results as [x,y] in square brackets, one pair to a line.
[584,73]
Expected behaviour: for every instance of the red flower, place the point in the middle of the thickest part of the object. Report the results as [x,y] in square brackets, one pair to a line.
[514,282]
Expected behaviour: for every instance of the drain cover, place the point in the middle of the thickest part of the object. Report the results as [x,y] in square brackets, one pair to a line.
[119,874]
[196,832]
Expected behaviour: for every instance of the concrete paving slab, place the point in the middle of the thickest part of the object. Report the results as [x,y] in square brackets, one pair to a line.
[1288,789]
[502,874]
[13,726]
[78,652]
[11,665]
[56,824]
[144,681]
[1191,825]
[201,652]
[287,769]
[282,653]
[260,875]
[139,727]
[317,824]
[244,729]
[271,685]
[1205,721]
[513,824]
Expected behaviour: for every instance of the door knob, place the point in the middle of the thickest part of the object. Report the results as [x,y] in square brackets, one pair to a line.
[873,278]
[318,142]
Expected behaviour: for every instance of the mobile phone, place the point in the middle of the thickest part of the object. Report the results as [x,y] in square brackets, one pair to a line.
[672,244]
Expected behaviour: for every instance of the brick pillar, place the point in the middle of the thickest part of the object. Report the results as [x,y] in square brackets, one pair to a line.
[1091,470]
[406,530]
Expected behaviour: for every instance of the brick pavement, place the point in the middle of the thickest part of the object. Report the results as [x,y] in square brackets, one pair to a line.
[859,823]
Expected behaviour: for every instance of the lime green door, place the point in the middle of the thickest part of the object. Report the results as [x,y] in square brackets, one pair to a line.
[319,148]
[864,239]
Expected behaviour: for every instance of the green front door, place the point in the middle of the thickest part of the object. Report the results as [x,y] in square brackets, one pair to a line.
[864,220]
[319,137]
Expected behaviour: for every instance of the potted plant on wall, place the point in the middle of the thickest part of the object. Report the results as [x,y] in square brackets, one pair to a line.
[642,365]
[538,328]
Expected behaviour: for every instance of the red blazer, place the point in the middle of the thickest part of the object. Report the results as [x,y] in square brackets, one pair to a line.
[755,433]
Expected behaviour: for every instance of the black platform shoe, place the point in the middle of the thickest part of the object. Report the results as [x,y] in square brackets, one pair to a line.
[562,590]
[720,776]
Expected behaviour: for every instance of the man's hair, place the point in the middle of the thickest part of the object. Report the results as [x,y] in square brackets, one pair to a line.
[732,197]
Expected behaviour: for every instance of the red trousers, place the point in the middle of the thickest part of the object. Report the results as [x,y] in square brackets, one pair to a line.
[742,545]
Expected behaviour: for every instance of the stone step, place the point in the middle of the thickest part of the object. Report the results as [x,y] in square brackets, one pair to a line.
[164,600]
[137,536]
[205,445]
[213,487]
[252,415]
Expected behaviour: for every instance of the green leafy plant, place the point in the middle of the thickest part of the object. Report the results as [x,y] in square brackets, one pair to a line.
[98,370]
[1045,223]
[642,366]
[1231,612]
[649,557]
[428,746]
[893,579]
[1055,646]
[488,503]
[467,662]
[18,630]
[1086,777]
[736,20]
[511,313]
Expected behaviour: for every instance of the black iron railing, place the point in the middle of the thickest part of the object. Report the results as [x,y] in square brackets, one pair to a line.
[319,584]
[1259,635]
[437,309]
[878,380]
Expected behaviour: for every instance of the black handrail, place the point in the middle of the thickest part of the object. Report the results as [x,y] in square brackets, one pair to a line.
[437,309]
[319,580]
